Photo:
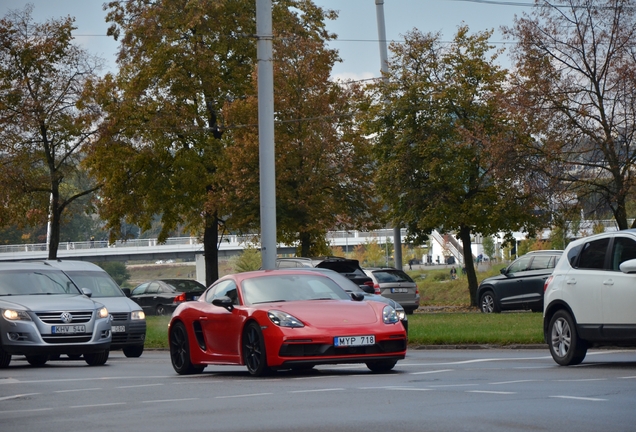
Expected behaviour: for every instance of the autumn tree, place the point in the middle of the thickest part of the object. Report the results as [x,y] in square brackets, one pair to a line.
[577,83]
[46,121]
[324,165]
[447,142]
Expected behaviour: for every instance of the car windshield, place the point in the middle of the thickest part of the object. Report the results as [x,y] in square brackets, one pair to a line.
[385,276]
[35,282]
[185,285]
[266,289]
[99,283]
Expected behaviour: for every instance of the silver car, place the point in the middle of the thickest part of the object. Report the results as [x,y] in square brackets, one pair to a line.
[129,320]
[396,285]
[43,314]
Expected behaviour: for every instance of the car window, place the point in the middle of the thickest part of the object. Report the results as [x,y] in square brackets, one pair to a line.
[520,265]
[184,285]
[387,276]
[573,254]
[26,282]
[593,254]
[141,289]
[624,249]
[101,284]
[342,267]
[224,288]
[287,264]
[153,288]
[541,262]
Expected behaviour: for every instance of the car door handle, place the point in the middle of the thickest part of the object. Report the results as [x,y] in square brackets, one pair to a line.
[203,318]
[571,281]
[608,282]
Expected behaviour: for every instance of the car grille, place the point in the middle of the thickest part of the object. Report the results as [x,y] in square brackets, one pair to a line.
[56,317]
[323,350]
[66,339]
[120,316]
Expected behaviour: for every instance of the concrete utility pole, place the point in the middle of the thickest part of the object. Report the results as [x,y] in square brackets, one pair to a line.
[384,67]
[267,160]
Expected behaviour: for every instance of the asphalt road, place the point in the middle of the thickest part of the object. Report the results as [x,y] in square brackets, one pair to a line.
[431,390]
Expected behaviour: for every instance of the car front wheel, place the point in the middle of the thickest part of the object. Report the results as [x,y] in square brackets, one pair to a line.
[133,351]
[5,358]
[381,366]
[488,303]
[566,347]
[96,359]
[37,360]
[254,355]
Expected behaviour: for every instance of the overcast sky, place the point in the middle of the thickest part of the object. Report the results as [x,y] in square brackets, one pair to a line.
[356,26]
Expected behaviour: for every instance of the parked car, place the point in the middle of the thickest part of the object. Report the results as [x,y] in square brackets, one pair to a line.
[43,314]
[283,319]
[520,285]
[162,296]
[590,298]
[396,285]
[345,266]
[129,320]
[351,288]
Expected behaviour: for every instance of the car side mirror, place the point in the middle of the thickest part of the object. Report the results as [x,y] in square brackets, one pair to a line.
[224,302]
[504,270]
[357,296]
[628,266]
[126,291]
[87,292]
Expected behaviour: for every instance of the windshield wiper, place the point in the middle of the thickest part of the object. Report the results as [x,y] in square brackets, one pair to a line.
[271,301]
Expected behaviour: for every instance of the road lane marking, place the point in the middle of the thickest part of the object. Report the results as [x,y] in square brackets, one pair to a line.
[169,400]
[431,372]
[490,392]
[18,396]
[140,385]
[410,389]
[244,395]
[582,380]
[98,405]
[453,385]
[514,382]
[316,390]
[579,398]
[26,410]
[77,390]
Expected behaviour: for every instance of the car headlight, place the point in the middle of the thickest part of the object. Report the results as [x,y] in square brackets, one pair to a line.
[137,315]
[14,315]
[283,319]
[102,312]
[401,314]
[389,315]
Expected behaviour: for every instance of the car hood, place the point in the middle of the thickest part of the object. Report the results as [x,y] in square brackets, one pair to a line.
[118,304]
[494,278]
[324,313]
[61,302]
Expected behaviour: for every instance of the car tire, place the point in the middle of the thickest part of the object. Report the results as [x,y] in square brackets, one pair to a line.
[254,355]
[74,356]
[381,366]
[488,302]
[180,351]
[97,359]
[160,310]
[566,347]
[133,351]
[5,358]
[37,360]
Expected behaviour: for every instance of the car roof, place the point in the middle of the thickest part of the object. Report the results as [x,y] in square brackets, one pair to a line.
[25,265]
[71,265]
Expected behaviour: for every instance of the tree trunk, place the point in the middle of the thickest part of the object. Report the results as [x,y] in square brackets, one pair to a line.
[471,273]
[55,215]
[210,248]
[305,244]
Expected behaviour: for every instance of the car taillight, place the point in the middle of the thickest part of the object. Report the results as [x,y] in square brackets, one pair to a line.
[376,287]
[547,282]
[180,298]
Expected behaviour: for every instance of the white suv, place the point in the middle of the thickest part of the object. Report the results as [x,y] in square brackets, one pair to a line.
[590,299]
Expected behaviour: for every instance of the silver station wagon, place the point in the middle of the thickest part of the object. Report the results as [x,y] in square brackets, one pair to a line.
[44,314]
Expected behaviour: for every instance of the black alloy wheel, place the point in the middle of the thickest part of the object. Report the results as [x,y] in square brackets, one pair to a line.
[381,365]
[37,360]
[133,351]
[566,347]
[488,303]
[97,359]
[160,310]
[254,355]
[180,351]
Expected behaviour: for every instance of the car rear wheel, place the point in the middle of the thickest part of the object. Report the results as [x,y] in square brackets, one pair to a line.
[37,360]
[5,358]
[133,351]
[254,355]
[566,347]
[96,359]
[180,351]
[381,366]
[160,310]
[488,303]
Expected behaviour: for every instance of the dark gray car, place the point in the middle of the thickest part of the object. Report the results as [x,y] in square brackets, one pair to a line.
[520,285]
[43,314]
[396,285]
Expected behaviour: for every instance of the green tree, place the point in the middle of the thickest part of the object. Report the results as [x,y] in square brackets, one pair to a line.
[448,143]
[575,66]
[46,122]
[324,166]
[374,254]
[248,260]
[489,247]
[117,270]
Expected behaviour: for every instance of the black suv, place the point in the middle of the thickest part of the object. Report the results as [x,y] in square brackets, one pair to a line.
[520,285]
[347,267]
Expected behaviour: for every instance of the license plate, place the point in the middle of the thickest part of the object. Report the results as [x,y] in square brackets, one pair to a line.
[341,341]
[71,329]
[399,290]
[195,298]
[118,329]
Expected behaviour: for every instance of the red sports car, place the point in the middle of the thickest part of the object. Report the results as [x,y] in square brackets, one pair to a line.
[283,319]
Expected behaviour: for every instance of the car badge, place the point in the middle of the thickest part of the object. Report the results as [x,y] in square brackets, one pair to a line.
[66,317]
